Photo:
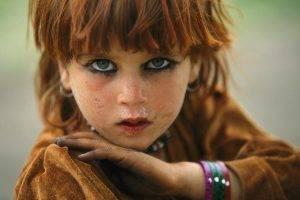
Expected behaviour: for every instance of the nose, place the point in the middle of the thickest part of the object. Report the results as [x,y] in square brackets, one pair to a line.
[131,92]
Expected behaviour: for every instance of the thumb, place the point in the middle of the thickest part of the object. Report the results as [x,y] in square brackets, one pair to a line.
[135,161]
[122,157]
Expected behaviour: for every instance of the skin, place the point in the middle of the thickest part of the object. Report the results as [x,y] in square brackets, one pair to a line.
[130,92]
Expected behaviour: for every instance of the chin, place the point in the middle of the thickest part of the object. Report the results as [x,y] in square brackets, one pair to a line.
[137,145]
[139,142]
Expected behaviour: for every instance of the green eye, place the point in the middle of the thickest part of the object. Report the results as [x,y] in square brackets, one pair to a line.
[108,67]
[158,63]
[102,65]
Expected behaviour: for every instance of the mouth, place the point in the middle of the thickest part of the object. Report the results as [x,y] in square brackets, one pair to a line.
[132,126]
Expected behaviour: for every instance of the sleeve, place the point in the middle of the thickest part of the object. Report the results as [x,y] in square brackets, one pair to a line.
[52,174]
[267,167]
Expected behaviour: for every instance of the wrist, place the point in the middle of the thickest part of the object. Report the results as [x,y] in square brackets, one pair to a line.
[190,180]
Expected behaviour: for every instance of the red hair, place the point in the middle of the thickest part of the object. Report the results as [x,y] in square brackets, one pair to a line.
[63,29]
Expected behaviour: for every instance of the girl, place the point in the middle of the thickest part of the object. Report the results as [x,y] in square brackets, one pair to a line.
[133,96]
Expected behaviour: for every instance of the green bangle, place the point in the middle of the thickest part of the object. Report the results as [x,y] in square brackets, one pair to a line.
[218,186]
[221,182]
[213,175]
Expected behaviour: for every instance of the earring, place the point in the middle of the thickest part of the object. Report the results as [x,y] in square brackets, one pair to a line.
[63,92]
[191,88]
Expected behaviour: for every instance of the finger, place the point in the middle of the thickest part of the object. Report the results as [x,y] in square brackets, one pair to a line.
[137,162]
[100,153]
[82,134]
[86,134]
[77,135]
[78,143]
[110,152]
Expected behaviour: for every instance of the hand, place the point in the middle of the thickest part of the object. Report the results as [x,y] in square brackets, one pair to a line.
[143,174]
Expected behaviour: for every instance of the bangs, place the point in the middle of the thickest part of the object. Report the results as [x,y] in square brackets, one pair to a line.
[90,26]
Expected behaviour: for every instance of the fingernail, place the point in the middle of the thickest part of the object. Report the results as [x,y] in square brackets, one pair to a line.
[80,157]
[58,141]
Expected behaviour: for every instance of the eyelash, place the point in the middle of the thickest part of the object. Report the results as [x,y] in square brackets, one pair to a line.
[172,63]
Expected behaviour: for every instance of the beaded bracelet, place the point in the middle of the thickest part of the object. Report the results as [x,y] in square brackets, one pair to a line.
[218,189]
[227,180]
[217,182]
[222,181]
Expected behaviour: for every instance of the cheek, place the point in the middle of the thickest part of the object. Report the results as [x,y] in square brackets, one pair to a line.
[92,97]
[168,98]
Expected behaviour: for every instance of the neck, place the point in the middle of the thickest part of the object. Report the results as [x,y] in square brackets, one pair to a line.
[158,148]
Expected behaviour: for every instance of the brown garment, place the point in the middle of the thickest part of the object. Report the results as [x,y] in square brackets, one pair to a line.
[214,128]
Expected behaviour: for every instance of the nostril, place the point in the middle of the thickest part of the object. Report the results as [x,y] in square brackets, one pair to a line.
[132,98]
[132,93]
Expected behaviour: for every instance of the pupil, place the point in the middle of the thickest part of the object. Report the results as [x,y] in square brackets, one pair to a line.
[158,62]
[102,63]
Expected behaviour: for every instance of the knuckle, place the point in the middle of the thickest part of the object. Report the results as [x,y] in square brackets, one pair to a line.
[96,153]
[106,149]
[99,153]
[99,144]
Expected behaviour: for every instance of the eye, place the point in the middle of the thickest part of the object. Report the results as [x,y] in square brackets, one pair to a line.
[101,65]
[159,64]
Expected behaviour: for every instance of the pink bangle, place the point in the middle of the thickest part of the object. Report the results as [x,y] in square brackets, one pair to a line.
[208,180]
[227,179]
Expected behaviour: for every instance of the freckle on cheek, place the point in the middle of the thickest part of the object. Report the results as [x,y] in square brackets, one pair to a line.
[99,102]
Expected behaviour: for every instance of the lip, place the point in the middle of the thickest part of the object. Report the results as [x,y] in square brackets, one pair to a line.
[133,126]
[134,120]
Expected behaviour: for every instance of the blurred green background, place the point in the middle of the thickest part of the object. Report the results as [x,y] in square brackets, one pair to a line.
[264,62]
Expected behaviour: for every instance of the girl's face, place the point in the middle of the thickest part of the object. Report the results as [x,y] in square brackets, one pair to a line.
[123,84]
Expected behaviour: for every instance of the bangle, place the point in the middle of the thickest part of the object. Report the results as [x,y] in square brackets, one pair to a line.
[208,180]
[221,182]
[217,180]
[218,186]
[226,181]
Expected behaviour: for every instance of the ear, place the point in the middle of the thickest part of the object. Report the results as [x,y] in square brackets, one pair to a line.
[64,76]
[195,68]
